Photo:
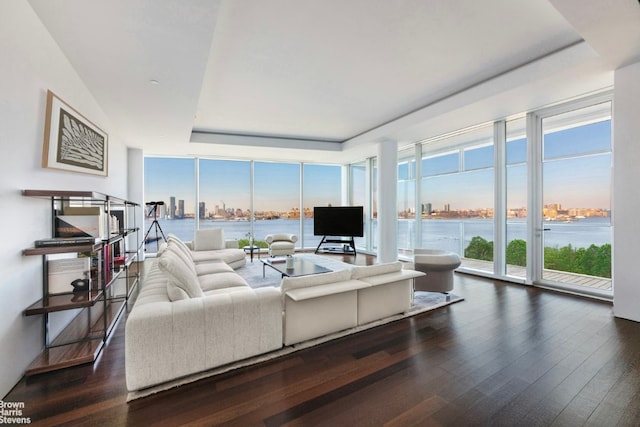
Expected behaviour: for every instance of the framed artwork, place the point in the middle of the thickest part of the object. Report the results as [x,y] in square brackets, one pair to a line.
[71,141]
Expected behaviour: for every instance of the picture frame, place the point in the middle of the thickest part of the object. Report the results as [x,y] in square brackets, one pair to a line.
[71,141]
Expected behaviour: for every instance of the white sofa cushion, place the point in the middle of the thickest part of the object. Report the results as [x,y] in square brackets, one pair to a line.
[180,273]
[315,317]
[361,271]
[210,239]
[378,302]
[209,282]
[213,266]
[289,283]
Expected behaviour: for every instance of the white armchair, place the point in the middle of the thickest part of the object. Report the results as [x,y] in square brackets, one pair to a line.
[281,244]
[438,266]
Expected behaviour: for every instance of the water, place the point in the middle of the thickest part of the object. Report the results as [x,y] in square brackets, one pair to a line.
[441,233]
[446,234]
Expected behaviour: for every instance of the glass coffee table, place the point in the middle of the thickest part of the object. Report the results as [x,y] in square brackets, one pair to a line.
[301,267]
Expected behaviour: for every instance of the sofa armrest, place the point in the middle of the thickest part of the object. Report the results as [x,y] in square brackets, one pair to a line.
[301,294]
[395,276]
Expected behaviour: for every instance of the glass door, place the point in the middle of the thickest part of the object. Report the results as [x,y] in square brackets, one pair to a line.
[576,198]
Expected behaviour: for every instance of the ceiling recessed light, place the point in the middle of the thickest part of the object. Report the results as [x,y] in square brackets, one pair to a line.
[154,82]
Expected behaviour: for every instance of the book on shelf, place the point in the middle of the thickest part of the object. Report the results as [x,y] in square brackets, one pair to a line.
[66,241]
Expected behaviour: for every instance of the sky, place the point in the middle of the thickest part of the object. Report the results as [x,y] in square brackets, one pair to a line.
[228,182]
[576,173]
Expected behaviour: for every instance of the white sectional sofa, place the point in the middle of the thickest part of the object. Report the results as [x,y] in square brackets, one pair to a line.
[193,316]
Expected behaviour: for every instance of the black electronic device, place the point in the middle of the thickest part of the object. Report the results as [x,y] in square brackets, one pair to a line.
[338,221]
[80,285]
[345,222]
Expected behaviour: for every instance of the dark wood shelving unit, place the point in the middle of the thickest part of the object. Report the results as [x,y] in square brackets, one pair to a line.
[113,282]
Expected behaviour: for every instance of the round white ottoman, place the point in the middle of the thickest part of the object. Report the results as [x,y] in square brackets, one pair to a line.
[438,266]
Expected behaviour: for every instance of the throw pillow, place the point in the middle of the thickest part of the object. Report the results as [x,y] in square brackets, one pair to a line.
[161,248]
[185,258]
[181,275]
[175,292]
[209,240]
[179,244]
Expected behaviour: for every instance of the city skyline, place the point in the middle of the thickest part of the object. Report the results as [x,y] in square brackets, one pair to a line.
[174,209]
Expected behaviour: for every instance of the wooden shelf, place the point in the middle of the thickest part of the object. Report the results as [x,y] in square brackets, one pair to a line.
[63,302]
[52,359]
[84,343]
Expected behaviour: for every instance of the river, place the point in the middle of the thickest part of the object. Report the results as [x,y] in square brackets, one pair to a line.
[442,233]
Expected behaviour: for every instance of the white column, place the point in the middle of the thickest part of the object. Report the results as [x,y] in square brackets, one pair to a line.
[387,201]
[135,193]
[626,204]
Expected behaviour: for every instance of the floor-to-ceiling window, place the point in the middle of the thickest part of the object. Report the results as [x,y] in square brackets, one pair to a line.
[170,181]
[457,196]
[276,199]
[322,186]
[358,196]
[225,196]
[553,191]
[406,199]
[576,196]
[439,231]
[478,192]
[244,198]
[516,198]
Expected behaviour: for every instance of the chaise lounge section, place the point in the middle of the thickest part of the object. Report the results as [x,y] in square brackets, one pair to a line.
[192,317]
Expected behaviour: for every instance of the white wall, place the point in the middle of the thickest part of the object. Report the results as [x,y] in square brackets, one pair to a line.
[31,64]
[626,193]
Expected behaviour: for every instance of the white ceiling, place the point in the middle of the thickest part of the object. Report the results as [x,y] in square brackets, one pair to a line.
[240,77]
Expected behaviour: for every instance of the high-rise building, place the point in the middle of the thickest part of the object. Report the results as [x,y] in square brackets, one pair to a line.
[172,207]
[201,210]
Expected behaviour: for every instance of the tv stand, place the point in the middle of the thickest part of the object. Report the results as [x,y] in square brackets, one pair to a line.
[348,246]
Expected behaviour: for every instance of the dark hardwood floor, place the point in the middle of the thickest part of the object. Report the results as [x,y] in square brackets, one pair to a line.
[508,355]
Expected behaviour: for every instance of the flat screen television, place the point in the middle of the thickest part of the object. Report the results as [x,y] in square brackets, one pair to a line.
[338,221]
